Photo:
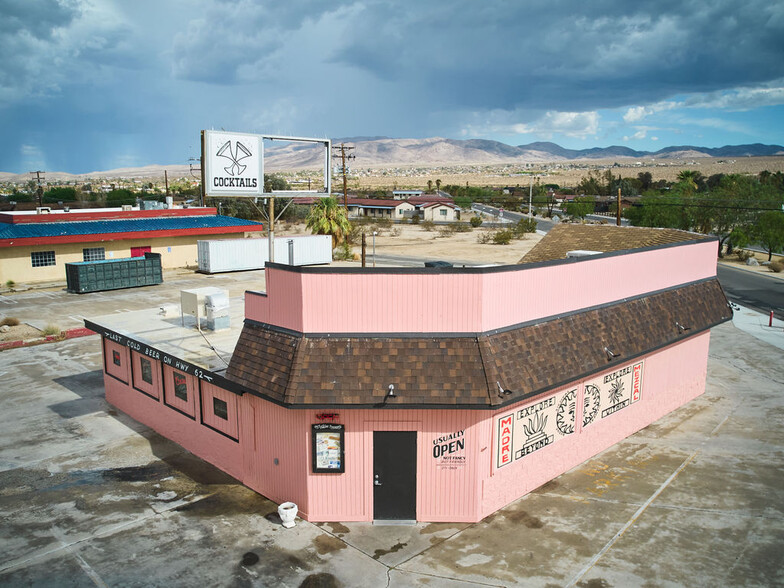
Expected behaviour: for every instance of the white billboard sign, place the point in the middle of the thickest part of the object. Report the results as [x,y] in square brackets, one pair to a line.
[233,164]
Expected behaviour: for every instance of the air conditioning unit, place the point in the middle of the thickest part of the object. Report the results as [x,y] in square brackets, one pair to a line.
[127,207]
[43,210]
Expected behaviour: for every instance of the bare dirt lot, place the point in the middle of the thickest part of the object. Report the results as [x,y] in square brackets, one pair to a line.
[565,173]
[435,243]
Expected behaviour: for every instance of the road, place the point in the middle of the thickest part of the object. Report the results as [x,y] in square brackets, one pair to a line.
[752,290]
[541,224]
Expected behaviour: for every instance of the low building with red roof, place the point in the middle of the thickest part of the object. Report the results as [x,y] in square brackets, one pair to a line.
[36,245]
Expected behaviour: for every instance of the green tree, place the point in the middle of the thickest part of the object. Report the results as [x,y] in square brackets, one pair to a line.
[438,185]
[590,185]
[769,231]
[327,217]
[60,194]
[273,182]
[691,179]
[581,206]
[646,181]
[658,210]
[430,185]
[120,196]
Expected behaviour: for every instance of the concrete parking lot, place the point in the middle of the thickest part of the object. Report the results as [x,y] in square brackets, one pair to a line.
[90,497]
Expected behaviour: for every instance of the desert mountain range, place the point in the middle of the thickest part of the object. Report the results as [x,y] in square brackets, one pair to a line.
[436,151]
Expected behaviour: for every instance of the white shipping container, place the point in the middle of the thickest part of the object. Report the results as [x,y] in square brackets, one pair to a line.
[230,255]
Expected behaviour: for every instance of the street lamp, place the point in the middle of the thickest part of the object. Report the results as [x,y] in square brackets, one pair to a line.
[530,193]
[374,248]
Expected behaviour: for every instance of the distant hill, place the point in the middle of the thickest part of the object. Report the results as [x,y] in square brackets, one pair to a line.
[434,151]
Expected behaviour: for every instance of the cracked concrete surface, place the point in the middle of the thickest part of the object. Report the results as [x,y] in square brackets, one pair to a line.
[90,497]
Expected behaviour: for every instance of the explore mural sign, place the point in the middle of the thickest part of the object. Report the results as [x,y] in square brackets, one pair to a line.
[607,394]
[535,426]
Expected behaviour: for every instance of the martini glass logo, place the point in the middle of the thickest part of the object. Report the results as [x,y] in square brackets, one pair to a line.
[236,155]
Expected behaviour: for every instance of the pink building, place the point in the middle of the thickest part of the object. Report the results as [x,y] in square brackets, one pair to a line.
[436,394]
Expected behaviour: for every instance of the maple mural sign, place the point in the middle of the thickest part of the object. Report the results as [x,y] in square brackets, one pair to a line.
[535,426]
[607,394]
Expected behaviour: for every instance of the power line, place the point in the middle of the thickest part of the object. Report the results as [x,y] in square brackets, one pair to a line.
[40,191]
[343,157]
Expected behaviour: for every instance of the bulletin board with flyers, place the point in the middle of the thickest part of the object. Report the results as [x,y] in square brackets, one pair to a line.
[327,448]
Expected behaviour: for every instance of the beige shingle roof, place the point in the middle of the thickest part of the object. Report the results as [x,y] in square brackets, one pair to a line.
[567,237]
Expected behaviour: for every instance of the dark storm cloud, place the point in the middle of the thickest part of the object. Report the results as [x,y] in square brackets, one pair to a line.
[569,54]
[37,18]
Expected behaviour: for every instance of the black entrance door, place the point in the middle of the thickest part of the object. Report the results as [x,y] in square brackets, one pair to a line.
[394,475]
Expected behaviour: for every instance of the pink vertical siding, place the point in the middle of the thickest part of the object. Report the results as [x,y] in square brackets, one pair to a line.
[516,297]
[387,303]
[465,492]
[257,307]
[442,494]
[189,433]
[372,302]
[271,432]
[671,378]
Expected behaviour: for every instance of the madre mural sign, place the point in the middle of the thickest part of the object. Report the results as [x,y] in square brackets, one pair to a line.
[535,426]
[548,420]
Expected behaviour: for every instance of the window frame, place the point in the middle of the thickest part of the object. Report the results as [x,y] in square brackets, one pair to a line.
[92,254]
[43,259]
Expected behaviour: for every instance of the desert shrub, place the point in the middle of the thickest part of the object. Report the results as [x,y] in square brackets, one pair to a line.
[51,329]
[743,254]
[415,219]
[355,234]
[343,252]
[428,225]
[10,284]
[384,222]
[524,226]
[9,321]
[503,237]
[461,227]
[776,266]
[394,232]
[485,237]
[476,221]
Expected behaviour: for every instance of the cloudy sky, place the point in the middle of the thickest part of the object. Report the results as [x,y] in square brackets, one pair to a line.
[90,85]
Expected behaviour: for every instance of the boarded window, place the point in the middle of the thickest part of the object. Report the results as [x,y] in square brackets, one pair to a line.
[180,386]
[220,408]
[42,258]
[146,366]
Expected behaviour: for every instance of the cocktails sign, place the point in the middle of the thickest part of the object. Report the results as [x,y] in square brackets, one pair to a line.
[233,164]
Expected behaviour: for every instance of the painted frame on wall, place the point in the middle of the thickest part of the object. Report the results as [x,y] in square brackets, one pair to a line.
[327,448]
[150,376]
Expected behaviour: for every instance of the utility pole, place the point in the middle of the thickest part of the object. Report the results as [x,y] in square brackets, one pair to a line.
[530,194]
[618,211]
[343,157]
[40,191]
[166,180]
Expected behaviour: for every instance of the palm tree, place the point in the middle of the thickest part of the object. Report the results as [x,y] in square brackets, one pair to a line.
[327,217]
[690,179]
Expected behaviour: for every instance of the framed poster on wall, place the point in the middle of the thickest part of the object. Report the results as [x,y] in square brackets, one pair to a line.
[327,448]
